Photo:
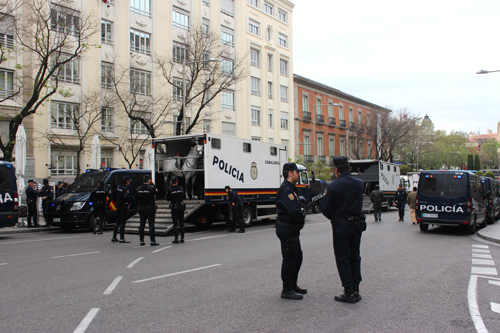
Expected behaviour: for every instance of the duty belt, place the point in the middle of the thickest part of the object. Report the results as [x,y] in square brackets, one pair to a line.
[351,219]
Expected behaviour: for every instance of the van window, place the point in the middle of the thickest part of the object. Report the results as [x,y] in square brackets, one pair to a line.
[388,168]
[381,167]
[5,180]
[161,148]
[444,185]
[216,143]
[247,147]
[274,151]
[394,169]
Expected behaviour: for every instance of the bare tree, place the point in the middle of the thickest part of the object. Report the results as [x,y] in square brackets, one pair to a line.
[204,79]
[55,35]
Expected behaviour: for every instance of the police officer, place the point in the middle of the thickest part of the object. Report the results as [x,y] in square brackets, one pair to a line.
[343,205]
[145,195]
[99,197]
[60,190]
[290,221]
[175,195]
[237,207]
[47,194]
[122,204]
[400,199]
[31,197]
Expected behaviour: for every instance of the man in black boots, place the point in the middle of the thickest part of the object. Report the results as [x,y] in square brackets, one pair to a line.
[288,225]
[31,198]
[122,204]
[343,204]
[146,205]
[99,197]
[175,195]
[237,208]
[400,198]
[47,194]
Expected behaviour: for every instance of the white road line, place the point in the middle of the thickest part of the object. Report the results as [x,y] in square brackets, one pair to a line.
[5,263]
[480,246]
[74,255]
[480,255]
[134,262]
[484,270]
[483,262]
[480,251]
[473,308]
[113,285]
[495,307]
[86,321]
[172,274]
[163,248]
[41,240]
[197,239]
[496,283]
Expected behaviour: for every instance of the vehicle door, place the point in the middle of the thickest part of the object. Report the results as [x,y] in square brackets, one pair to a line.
[7,188]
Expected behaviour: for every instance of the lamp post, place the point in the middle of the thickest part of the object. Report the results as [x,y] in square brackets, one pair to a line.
[418,150]
[450,152]
[315,114]
[184,63]
[483,71]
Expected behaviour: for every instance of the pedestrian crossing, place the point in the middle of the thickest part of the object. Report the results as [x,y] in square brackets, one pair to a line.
[482,263]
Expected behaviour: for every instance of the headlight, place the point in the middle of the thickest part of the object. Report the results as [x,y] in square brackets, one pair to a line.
[77,206]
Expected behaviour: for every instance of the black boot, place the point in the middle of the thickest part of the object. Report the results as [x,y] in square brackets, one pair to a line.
[355,290]
[347,296]
[299,290]
[289,293]
[182,234]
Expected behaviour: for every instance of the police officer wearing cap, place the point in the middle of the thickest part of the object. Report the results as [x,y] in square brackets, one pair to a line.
[99,197]
[237,210]
[122,204]
[175,195]
[288,225]
[60,190]
[342,204]
[31,197]
[145,196]
[47,193]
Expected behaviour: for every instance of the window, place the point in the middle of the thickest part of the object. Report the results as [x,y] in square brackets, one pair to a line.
[179,53]
[361,152]
[320,146]
[254,3]
[270,90]
[247,147]
[368,120]
[6,41]
[341,113]
[205,27]
[270,118]
[255,115]
[269,62]
[67,22]
[282,15]
[369,149]
[140,42]
[305,103]
[227,37]
[137,127]
[255,86]
[70,71]
[360,116]
[140,82]
[228,128]
[351,115]
[180,20]
[282,40]
[283,67]
[227,7]
[319,109]
[342,147]
[331,148]
[106,162]
[254,27]
[216,143]
[307,144]
[206,2]
[227,100]
[140,7]
[63,115]
[274,151]
[106,76]
[63,163]
[254,58]
[106,36]
[269,34]
[6,84]
[268,8]
[284,120]
[107,120]
[330,110]
[177,89]
[206,126]
[284,93]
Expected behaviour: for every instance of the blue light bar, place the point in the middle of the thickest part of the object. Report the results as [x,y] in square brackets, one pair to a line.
[459,176]
[426,176]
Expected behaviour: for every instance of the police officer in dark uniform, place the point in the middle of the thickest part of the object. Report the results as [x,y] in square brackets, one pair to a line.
[60,190]
[47,194]
[99,197]
[237,210]
[288,225]
[175,195]
[400,199]
[31,197]
[122,204]
[145,195]
[342,204]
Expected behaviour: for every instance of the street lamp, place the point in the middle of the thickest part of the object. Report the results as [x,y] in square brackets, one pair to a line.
[314,115]
[483,71]
[450,152]
[418,150]
[184,63]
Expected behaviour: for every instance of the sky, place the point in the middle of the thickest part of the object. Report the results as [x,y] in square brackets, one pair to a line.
[422,55]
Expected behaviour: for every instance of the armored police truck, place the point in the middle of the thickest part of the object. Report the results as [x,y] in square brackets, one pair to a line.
[450,198]
[310,191]
[206,163]
[9,198]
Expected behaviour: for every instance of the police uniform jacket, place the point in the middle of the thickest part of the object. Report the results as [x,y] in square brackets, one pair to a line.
[145,195]
[60,191]
[48,192]
[122,195]
[31,194]
[234,197]
[400,196]
[175,194]
[288,207]
[344,197]
[99,196]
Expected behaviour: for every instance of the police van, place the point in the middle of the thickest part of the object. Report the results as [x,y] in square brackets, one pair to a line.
[490,193]
[9,199]
[74,208]
[450,198]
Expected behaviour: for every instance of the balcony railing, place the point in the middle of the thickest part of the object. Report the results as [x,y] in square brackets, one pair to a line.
[352,125]
[342,123]
[331,121]
[361,127]
[306,115]
[320,118]
[308,158]
[322,159]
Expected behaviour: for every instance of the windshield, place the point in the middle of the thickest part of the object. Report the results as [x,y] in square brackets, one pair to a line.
[443,185]
[86,182]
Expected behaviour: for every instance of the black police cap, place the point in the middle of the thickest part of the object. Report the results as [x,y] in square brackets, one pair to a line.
[175,179]
[59,183]
[100,183]
[45,180]
[340,160]
[145,179]
[290,167]
[126,179]
[30,181]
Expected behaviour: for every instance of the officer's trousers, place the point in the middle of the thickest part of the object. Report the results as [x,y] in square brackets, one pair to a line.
[292,255]
[401,207]
[238,216]
[377,211]
[32,214]
[122,210]
[178,219]
[346,244]
[100,217]
[46,210]
[147,213]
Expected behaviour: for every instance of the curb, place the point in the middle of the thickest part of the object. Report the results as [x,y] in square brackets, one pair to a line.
[495,240]
[23,230]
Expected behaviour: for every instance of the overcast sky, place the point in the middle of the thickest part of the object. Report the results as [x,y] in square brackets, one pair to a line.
[423,55]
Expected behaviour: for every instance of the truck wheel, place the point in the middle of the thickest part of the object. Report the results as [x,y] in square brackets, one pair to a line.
[247,215]
[303,205]
[424,227]
[315,208]
[66,228]
[471,229]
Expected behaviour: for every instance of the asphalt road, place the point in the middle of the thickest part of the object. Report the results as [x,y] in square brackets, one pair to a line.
[226,282]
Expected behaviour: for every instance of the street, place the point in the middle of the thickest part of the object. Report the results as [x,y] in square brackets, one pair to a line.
[225,282]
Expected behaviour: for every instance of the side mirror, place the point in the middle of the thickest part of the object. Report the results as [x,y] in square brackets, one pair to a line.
[107,187]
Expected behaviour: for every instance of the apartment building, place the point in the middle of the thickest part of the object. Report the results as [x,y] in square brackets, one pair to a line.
[332,123]
[132,34]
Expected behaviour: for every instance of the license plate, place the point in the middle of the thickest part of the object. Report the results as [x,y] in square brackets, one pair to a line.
[429,215]
[56,219]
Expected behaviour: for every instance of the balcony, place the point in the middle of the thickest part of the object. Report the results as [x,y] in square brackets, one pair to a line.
[342,123]
[320,118]
[306,115]
[331,121]
[361,127]
[308,158]
[352,125]
[322,159]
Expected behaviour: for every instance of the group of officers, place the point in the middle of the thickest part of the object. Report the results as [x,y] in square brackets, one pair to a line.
[48,194]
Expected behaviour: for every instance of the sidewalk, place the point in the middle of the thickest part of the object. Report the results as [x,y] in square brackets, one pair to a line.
[24,229]
[491,232]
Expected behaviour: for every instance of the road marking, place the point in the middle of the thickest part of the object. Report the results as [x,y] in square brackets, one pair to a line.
[473,308]
[134,262]
[172,274]
[41,240]
[3,264]
[496,283]
[480,246]
[161,249]
[197,239]
[483,262]
[480,255]
[484,270]
[86,321]
[495,307]
[113,285]
[480,251]
[74,255]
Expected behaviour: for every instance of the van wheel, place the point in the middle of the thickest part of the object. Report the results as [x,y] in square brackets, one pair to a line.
[247,215]
[424,227]
[315,208]
[66,228]
[471,229]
